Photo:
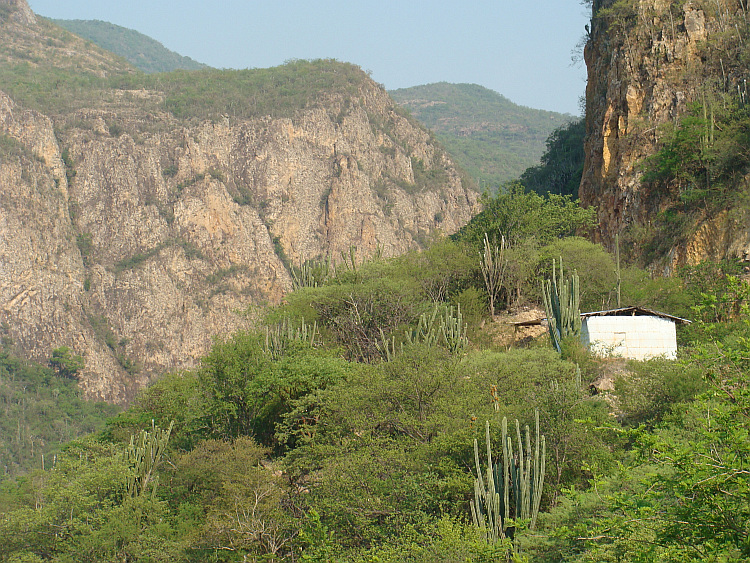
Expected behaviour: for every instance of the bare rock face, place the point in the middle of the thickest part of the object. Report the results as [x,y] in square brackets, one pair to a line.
[42,302]
[645,65]
[134,238]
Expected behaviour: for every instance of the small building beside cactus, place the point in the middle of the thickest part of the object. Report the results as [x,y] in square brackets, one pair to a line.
[631,332]
[634,333]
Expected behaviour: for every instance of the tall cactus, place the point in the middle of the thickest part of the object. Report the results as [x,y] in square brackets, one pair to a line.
[279,336]
[450,332]
[504,494]
[144,455]
[453,330]
[493,264]
[312,273]
[562,306]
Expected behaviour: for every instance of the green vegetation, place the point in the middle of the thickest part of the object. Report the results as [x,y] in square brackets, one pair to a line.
[85,247]
[699,166]
[344,429]
[561,164]
[207,94]
[42,411]
[699,169]
[562,307]
[65,362]
[139,50]
[11,147]
[518,216]
[138,259]
[519,483]
[531,225]
[489,136]
[278,92]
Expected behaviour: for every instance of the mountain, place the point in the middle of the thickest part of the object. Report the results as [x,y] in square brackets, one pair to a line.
[667,151]
[141,215]
[494,139]
[141,51]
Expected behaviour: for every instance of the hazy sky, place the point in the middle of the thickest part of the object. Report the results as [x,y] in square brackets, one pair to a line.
[520,49]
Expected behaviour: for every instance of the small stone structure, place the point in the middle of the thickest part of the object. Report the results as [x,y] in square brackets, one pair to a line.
[631,332]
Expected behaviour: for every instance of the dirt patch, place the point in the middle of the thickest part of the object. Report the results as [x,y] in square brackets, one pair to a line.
[506,332]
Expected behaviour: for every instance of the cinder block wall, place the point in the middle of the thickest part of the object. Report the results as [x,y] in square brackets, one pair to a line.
[635,337]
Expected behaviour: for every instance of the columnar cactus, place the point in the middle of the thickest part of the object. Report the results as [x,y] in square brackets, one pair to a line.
[510,492]
[279,336]
[451,333]
[493,264]
[453,330]
[312,273]
[562,306]
[144,455]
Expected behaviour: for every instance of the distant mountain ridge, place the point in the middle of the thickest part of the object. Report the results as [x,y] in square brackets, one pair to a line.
[492,138]
[140,50]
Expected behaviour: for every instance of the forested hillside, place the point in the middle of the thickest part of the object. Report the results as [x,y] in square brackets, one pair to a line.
[343,428]
[494,139]
[139,50]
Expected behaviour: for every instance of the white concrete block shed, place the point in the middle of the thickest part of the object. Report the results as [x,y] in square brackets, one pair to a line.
[631,332]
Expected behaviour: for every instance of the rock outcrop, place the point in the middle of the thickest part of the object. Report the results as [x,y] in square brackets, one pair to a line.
[647,61]
[135,237]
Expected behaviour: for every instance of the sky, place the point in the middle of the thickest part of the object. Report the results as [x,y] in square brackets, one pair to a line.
[523,50]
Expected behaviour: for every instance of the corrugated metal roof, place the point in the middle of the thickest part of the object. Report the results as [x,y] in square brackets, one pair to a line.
[634,312]
[622,312]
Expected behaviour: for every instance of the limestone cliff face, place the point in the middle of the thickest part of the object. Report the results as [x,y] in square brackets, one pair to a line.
[134,237]
[647,60]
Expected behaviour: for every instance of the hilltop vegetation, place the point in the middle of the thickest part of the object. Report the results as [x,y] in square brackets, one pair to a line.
[492,138]
[342,428]
[208,94]
[139,50]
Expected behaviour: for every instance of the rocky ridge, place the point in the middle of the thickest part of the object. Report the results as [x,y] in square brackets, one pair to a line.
[135,237]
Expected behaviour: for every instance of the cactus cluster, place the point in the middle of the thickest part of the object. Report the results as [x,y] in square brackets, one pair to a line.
[509,491]
[318,272]
[562,306]
[312,273]
[493,265]
[444,326]
[143,455]
[280,335]
[453,330]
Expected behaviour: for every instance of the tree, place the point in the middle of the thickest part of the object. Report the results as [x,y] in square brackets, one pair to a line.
[561,165]
[65,362]
[519,215]
[248,507]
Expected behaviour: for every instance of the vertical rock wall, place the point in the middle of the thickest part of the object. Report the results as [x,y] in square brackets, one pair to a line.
[647,60]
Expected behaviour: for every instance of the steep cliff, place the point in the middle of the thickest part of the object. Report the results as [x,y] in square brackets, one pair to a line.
[651,65]
[134,236]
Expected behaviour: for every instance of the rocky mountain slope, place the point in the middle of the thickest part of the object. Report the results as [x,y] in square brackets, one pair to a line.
[660,72]
[140,218]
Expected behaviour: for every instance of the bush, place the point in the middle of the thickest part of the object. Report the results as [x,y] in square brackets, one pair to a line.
[652,388]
